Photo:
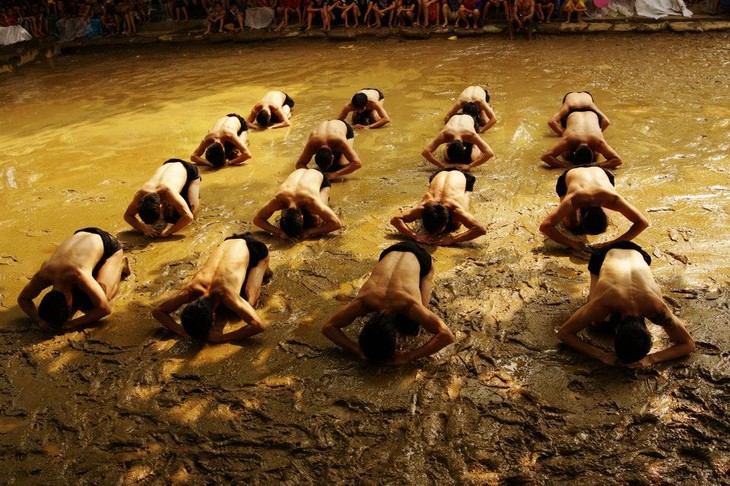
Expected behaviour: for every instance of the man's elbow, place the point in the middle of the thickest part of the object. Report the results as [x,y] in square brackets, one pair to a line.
[562,334]
[447,337]
[545,228]
[480,230]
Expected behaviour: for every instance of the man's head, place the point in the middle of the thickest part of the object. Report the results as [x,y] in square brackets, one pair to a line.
[435,218]
[359,101]
[583,155]
[263,118]
[633,340]
[456,152]
[470,109]
[54,309]
[149,208]
[292,222]
[324,158]
[216,154]
[170,214]
[593,220]
[378,338]
[197,318]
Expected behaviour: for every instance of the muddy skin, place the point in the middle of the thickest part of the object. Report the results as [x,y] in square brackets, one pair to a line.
[127,402]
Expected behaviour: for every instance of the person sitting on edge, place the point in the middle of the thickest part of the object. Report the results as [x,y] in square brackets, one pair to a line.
[84,271]
[478,96]
[231,277]
[272,111]
[303,200]
[171,195]
[398,291]
[622,294]
[225,142]
[577,6]
[576,101]
[443,210]
[459,132]
[523,18]
[367,109]
[331,145]
[584,192]
[581,143]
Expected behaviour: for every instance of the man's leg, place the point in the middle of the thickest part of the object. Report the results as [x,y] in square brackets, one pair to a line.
[110,274]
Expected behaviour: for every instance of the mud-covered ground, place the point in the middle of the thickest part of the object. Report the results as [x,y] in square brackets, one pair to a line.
[127,402]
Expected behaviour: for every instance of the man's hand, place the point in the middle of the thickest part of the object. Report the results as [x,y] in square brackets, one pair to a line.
[150,231]
[45,326]
[609,359]
[357,125]
[399,358]
[644,363]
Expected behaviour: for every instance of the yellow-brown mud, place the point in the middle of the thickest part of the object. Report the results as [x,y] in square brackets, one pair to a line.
[126,402]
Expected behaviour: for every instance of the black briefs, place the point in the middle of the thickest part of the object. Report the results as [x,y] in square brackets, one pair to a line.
[350,134]
[424,259]
[562,188]
[244,124]
[470,179]
[569,92]
[486,94]
[564,120]
[596,261]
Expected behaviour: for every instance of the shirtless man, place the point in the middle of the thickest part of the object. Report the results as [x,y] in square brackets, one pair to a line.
[576,101]
[367,105]
[581,143]
[84,271]
[622,293]
[398,290]
[303,199]
[226,141]
[583,192]
[172,195]
[272,111]
[230,277]
[443,210]
[523,17]
[480,97]
[330,143]
[459,132]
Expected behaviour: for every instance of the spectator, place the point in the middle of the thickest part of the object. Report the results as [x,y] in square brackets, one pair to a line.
[450,9]
[523,18]
[286,8]
[574,6]
[544,10]
[470,10]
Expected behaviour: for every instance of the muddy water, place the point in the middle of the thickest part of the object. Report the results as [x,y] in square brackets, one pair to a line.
[126,402]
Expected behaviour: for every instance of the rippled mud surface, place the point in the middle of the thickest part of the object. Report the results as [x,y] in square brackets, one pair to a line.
[126,402]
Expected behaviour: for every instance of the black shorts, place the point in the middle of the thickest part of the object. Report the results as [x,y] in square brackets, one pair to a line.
[564,120]
[470,179]
[561,188]
[596,261]
[111,246]
[424,259]
[288,101]
[350,133]
[244,125]
[486,94]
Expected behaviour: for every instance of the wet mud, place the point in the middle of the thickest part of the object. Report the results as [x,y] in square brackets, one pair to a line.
[126,402]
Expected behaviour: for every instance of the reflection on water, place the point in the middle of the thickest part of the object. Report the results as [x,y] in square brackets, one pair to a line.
[80,136]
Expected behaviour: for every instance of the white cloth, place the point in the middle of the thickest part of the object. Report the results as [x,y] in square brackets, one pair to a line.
[13,34]
[72,29]
[661,8]
[259,17]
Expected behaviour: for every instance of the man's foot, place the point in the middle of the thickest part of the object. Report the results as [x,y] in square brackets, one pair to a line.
[126,271]
[268,275]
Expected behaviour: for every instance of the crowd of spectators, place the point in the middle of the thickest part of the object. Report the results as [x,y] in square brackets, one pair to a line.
[72,19]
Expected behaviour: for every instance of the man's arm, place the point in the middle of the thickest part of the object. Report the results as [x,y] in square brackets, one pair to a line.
[130,216]
[612,159]
[262,218]
[354,164]
[640,223]
[401,221]
[551,157]
[345,111]
[473,229]
[305,157]
[677,332]
[186,216]
[196,157]
[343,317]
[162,311]
[243,309]
[454,109]
[549,226]
[383,117]
[254,111]
[427,152]
[330,221]
[275,110]
[487,152]
[245,153]
[30,292]
[486,111]
[442,335]
[582,318]
[101,309]
[554,122]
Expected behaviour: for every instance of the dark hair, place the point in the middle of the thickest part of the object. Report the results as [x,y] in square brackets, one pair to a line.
[456,152]
[54,309]
[633,340]
[170,214]
[149,208]
[406,326]
[324,158]
[593,220]
[263,118]
[470,109]
[216,154]
[360,100]
[435,218]
[197,318]
[292,222]
[378,338]
[583,155]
